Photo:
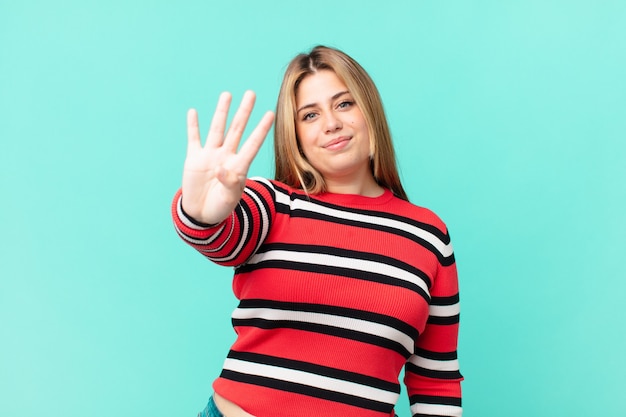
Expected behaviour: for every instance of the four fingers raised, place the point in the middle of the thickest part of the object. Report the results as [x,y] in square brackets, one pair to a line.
[216,136]
[230,140]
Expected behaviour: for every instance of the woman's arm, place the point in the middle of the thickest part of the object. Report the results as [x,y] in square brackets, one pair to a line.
[232,241]
[432,374]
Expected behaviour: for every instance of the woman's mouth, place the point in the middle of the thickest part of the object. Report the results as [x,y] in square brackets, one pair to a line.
[338,143]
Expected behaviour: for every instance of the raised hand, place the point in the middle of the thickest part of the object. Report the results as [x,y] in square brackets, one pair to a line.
[214,175]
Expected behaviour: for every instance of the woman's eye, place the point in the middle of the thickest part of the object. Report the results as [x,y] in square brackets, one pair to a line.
[345,104]
[308,116]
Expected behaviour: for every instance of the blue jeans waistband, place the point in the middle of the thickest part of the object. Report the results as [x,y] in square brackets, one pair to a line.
[210,410]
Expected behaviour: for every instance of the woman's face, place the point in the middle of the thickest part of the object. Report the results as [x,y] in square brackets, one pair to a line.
[332,131]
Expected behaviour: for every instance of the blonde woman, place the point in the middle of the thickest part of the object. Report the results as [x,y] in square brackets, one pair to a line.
[342,282]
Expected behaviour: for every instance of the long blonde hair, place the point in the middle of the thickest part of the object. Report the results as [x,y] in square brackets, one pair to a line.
[292,168]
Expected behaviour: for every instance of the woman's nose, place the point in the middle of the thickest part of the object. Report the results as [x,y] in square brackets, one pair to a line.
[333,123]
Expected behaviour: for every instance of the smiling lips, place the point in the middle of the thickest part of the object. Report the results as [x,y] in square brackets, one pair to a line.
[337,143]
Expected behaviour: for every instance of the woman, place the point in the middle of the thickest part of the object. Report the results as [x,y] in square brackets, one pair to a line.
[342,282]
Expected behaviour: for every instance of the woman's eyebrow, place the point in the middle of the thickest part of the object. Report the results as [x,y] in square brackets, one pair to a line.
[334,97]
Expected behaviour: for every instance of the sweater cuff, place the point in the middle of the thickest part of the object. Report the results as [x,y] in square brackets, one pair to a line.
[192,220]
[189,221]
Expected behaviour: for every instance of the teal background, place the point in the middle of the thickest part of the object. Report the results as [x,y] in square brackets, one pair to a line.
[509,119]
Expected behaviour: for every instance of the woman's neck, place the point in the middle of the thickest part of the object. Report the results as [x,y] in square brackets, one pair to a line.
[368,187]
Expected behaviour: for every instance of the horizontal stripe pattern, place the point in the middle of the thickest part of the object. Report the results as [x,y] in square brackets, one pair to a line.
[296,376]
[435,406]
[346,263]
[427,235]
[444,310]
[441,365]
[322,263]
[365,326]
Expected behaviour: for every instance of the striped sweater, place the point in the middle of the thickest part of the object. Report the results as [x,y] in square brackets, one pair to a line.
[337,294]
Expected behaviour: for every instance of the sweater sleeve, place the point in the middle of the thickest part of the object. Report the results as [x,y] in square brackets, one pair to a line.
[233,241]
[432,375]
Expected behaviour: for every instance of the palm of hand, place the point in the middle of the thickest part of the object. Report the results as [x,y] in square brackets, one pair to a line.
[214,175]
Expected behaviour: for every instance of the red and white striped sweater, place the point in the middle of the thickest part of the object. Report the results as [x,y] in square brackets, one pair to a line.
[337,294]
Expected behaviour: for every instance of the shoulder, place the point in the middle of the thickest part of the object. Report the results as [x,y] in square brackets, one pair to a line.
[273,185]
[419,214]
[428,228]
[273,190]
